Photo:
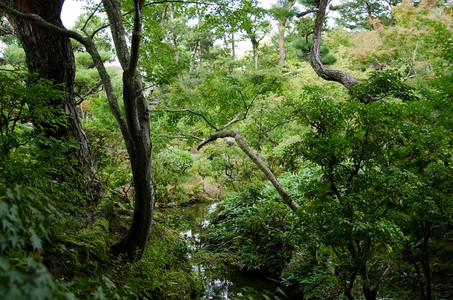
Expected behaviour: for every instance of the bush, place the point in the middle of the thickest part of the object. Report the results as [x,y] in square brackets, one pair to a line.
[25,219]
[251,227]
[170,168]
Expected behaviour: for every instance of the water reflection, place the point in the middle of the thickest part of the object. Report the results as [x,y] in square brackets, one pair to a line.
[220,284]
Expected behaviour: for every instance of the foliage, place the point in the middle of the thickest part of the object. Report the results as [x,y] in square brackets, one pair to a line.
[170,169]
[381,85]
[250,227]
[368,184]
[26,218]
[302,45]
[361,14]
[22,103]
[35,283]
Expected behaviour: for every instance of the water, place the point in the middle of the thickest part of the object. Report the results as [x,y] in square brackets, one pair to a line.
[220,284]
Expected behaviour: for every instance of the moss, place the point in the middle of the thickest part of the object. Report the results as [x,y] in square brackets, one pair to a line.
[165,270]
[82,252]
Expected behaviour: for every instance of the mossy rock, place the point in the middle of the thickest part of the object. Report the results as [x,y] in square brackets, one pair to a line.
[82,253]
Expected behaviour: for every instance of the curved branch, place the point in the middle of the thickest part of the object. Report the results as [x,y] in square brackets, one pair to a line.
[256,159]
[315,55]
[43,23]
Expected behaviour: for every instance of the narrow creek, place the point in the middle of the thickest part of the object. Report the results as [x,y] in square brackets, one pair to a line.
[221,285]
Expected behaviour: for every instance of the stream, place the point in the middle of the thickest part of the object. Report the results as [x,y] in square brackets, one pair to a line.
[224,285]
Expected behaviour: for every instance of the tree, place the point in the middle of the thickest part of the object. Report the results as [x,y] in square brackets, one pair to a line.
[254,25]
[282,12]
[51,57]
[363,13]
[134,123]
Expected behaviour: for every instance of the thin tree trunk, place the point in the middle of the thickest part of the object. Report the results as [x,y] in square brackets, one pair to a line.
[281,34]
[233,47]
[138,128]
[255,45]
[281,42]
[175,40]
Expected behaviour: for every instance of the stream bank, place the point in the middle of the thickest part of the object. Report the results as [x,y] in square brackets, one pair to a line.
[222,282]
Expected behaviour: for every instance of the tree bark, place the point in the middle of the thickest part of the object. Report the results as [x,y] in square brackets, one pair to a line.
[138,127]
[233,47]
[315,55]
[257,160]
[51,57]
[255,45]
[134,125]
[281,42]
[281,34]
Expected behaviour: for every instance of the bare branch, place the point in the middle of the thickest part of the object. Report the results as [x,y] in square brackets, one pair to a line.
[256,159]
[234,120]
[89,18]
[303,14]
[95,88]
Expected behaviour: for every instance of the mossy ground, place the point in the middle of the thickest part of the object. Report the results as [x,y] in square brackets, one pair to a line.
[82,265]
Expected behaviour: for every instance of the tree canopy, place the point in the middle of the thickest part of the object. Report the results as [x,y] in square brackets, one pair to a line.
[327,141]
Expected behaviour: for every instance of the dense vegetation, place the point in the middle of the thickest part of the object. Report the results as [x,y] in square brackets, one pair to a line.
[337,182]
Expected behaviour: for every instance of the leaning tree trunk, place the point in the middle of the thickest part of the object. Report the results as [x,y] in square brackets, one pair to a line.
[51,57]
[339,76]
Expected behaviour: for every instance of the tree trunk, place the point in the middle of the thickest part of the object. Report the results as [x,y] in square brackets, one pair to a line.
[255,45]
[136,132]
[315,54]
[281,42]
[51,57]
[233,47]
[281,34]
[134,243]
